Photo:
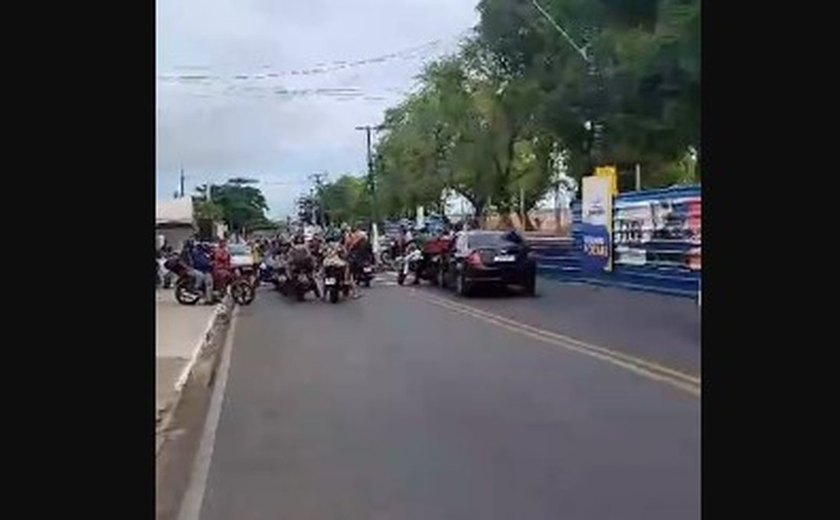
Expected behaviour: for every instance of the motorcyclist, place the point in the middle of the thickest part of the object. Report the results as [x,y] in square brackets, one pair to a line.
[357,247]
[316,249]
[431,249]
[203,271]
[300,258]
[340,254]
[334,257]
[222,262]
[185,258]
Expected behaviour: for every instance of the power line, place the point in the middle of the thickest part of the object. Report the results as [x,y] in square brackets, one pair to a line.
[576,47]
[323,68]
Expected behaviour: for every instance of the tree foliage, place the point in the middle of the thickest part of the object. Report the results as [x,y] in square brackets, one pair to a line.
[484,121]
[240,205]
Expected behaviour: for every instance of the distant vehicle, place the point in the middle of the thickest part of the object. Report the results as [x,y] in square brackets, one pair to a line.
[488,258]
[241,255]
[242,261]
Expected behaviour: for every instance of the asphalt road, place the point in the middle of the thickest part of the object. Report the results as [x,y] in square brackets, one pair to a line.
[401,405]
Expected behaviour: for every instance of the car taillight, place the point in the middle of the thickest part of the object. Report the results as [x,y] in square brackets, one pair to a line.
[474,259]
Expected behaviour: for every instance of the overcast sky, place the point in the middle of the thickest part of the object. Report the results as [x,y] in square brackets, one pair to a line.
[273,89]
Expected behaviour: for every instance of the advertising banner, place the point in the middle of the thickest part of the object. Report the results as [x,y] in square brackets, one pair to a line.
[659,232]
[596,224]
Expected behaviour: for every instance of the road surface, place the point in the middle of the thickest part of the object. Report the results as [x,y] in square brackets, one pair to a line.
[412,404]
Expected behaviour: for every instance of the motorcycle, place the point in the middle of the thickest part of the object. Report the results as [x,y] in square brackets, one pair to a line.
[335,282]
[267,274]
[409,263]
[388,252]
[297,282]
[187,292]
[248,272]
[363,273]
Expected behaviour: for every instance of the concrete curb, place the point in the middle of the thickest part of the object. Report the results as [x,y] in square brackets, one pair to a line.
[222,312]
[222,309]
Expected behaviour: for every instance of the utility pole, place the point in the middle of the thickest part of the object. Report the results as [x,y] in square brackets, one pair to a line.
[318,179]
[371,180]
[372,183]
[182,181]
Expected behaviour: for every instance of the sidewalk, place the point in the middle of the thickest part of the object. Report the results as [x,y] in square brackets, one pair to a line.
[180,330]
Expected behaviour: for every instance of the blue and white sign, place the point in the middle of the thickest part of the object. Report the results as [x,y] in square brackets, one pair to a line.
[596,224]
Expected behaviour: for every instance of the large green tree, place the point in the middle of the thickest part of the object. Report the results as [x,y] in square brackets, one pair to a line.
[485,121]
[241,205]
[647,54]
[347,199]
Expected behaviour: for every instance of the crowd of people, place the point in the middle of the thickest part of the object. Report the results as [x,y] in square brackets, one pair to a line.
[206,263]
[203,261]
[346,246]
[349,248]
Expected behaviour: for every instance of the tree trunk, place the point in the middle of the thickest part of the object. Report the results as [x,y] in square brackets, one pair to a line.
[480,205]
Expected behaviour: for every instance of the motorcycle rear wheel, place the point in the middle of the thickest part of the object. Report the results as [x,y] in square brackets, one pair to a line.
[333,294]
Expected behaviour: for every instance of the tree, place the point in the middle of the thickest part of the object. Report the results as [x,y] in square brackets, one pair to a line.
[648,54]
[486,120]
[347,199]
[241,205]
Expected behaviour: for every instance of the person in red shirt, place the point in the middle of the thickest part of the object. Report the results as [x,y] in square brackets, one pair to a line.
[221,256]
[222,263]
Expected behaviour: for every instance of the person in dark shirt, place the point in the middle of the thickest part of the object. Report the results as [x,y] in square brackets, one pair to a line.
[203,267]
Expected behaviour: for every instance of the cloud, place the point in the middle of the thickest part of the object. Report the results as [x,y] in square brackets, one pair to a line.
[274,88]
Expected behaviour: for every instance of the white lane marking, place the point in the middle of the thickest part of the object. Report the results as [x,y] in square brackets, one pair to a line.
[194,496]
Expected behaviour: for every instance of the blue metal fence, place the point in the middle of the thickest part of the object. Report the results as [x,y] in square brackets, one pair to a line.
[656,244]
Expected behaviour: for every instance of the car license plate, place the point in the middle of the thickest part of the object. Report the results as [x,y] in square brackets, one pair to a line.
[367,269]
[504,258]
[329,281]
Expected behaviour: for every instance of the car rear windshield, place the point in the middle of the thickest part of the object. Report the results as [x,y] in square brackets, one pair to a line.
[239,250]
[494,239]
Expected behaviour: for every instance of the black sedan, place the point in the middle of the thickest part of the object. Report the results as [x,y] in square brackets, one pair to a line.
[488,258]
